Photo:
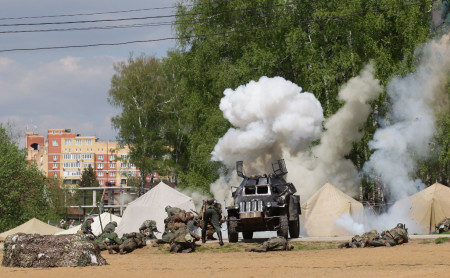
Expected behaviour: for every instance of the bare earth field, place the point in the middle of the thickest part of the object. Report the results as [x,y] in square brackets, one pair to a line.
[418,258]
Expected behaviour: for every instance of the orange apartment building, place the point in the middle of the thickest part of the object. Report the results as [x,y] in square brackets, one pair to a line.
[65,155]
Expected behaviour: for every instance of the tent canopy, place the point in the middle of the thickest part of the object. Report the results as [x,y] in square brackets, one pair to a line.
[32,226]
[429,206]
[105,217]
[324,207]
[151,206]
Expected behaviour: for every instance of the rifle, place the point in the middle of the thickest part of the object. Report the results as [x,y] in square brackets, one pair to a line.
[195,212]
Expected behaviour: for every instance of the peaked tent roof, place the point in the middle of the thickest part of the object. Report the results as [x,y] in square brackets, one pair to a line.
[429,206]
[151,206]
[106,217]
[324,207]
[32,226]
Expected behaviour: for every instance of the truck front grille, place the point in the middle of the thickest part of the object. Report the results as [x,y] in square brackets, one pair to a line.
[249,206]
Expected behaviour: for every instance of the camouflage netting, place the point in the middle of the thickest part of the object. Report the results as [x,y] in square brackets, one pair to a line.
[25,250]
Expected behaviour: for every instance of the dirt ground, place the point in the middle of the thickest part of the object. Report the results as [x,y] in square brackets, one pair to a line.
[417,258]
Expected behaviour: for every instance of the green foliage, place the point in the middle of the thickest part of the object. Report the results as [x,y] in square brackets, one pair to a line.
[138,88]
[440,240]
[23,193]
[88,178]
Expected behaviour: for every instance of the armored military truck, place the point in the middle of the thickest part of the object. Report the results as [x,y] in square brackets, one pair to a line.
[264,203]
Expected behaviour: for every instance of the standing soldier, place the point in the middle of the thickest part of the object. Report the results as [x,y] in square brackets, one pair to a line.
[213,216]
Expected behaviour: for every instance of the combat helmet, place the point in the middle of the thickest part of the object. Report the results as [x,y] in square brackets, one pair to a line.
[167,208]
[114,223]
[401,226]
[373,231]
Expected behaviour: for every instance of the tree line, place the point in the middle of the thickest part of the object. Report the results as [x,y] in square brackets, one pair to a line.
[170,107]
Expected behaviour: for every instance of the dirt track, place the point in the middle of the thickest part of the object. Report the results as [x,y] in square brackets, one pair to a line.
[418,258]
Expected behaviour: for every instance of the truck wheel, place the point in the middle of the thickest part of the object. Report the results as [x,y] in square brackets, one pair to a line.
[294,228]
[247,235]
[232,233]
[284,227]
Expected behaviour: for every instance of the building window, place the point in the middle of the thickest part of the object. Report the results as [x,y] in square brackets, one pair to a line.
[68,142]
[88,142]
[55,165]
[100,182]
[87,164]
[112,165]
[55,157]
[100,174]
[123,165]
[100,157]
[123,181]
[78,142]
[112,157]
[131,165]
[100,166]
[55,174]
[54,143]
[60,132]
[112,174]
[123,156]
[53,132]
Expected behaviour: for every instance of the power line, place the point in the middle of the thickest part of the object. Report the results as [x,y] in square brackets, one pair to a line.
[200,35]
[86,14]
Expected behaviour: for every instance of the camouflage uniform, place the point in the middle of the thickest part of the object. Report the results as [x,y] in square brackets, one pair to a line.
[108,239]
[110,227]
[395,236]
[148,228]
[278,243]
[130,242]
[443,226]
[86,227]
[212,216]
[363,240]
[183,241]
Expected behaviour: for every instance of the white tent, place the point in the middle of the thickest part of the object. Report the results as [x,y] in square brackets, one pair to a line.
[320,212]
[429,206]
[32,226]
[151,206]
[106,217]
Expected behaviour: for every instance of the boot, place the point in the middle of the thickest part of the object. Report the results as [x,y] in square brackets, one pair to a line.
[203,236]
[219,235]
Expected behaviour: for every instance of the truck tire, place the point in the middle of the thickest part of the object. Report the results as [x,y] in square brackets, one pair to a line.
[284,227]
[294,228]
[247,235]
[232,233]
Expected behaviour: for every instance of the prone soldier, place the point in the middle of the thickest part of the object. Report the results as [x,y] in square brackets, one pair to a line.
[148,228]
[184,241]
[395,236]
[130,242]
[278,243]
[443,226]
[363,240]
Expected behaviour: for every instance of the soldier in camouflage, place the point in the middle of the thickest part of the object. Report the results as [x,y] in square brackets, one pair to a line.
[86,227]
[184,241]
[443,226]
[110,227]
[363,240]
[278,243]
[213,216]
[395,236]
[148,228]
[130,242]
[106,240]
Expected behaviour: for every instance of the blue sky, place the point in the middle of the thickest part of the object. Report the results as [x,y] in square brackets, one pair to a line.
[68,88]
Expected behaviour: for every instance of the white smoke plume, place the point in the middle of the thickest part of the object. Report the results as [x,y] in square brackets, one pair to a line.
[409,125]
[274,120]
[270,116]
[326,162]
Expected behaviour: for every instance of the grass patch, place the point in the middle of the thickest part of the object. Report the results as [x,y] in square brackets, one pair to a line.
[425,242]
[440,240]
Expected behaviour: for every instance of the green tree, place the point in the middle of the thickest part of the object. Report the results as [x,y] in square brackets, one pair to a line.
[137,88]
[22,186]
[316,44]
